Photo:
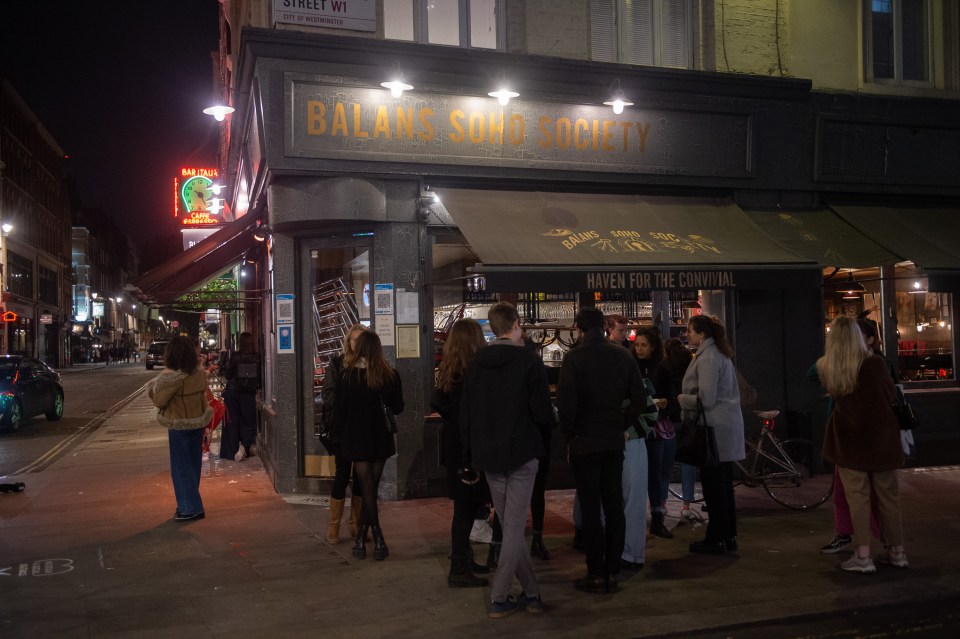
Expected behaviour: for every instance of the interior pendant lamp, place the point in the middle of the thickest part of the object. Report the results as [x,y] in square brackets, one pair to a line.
[852,289]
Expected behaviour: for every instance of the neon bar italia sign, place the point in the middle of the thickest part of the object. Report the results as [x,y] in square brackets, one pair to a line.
[196,197]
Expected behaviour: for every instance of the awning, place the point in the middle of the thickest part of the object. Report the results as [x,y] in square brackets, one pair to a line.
[613,238]
[926,237]
[824,237]
[199,264]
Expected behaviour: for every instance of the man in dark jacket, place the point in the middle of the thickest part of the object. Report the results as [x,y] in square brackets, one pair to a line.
[599,396]
[505,400]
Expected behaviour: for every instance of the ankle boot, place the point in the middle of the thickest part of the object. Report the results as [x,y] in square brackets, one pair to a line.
[355,504]
[537,549]
[360,543]
[380,550]
[333,522]
[461,576]
[493,555]
[656,526]
[473,566]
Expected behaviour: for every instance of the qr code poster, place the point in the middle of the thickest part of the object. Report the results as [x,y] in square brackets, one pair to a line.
[383,299]
[284,308]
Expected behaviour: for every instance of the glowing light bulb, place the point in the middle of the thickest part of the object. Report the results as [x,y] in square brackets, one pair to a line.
[219,112]
[503,96]
[396,87]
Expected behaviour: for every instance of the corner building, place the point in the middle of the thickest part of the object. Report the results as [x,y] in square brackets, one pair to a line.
[775,166]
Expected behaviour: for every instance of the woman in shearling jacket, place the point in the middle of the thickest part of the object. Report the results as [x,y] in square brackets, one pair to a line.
[712,377]
[180,394]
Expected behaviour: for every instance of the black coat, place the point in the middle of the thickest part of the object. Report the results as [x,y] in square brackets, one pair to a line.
[663,386]
[447,404]
[358,419]
[505,401]
[599,395]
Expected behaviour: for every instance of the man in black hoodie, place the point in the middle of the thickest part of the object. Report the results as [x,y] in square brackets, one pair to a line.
[506,398]
[599,396]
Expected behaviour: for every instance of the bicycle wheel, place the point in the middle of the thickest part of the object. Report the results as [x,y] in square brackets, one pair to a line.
[799,489]
[676,488]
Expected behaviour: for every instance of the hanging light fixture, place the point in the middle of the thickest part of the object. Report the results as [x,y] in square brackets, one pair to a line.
[618,100]
[219,111]
[503,95]
[852,289]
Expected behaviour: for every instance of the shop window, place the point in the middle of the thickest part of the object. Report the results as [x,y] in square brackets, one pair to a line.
[650,32]
[898,40]
[466,23]
[924,318]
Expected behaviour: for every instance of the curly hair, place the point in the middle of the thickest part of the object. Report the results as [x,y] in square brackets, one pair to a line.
[181,355]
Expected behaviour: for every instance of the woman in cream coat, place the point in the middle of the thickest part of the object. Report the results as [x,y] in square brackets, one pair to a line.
[712,377]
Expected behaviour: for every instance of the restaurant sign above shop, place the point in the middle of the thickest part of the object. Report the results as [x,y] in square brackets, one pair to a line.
[357,123]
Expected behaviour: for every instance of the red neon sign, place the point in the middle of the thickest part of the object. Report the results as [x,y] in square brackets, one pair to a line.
[197,200]
[9,316]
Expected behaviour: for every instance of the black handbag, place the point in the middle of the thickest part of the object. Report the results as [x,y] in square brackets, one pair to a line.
[697,442]
[904,412]
[389,419]
[323,428]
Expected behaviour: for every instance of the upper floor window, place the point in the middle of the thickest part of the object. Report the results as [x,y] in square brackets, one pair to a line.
[652,32]
[460,23]
[897,37]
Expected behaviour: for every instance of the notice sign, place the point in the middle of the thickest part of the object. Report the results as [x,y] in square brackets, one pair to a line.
[46,318]
[356,15]
[285,338]
[383,299]
[284,308]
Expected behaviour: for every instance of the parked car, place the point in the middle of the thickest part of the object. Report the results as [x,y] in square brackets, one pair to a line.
[154,355]
[28,387]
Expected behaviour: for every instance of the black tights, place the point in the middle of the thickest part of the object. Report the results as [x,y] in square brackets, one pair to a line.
[342,477]
[368,473]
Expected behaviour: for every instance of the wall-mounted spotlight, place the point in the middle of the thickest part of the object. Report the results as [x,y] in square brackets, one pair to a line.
[503,95]
[618,100]
[219,111]
[397,87]
[262,232]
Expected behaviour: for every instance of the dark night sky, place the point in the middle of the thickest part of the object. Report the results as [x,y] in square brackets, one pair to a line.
[120,86]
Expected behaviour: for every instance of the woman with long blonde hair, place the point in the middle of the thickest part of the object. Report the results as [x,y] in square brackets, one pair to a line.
[365,386]
[338,491]
[863,440]
[465,339]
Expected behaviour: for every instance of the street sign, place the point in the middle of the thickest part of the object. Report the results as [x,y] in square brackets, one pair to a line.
[175,324]
[46,318]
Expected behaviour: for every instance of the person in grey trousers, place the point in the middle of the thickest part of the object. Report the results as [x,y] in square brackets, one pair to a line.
[505,401]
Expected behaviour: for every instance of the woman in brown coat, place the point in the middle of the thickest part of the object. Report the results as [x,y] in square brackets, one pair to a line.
[863,440]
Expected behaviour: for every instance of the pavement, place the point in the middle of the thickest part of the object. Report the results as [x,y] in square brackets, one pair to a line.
[89,549]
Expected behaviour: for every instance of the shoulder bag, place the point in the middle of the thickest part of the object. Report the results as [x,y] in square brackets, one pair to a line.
[389,419]
[697,443]
[904,412]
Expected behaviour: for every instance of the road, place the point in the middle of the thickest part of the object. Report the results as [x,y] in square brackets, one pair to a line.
[90,395]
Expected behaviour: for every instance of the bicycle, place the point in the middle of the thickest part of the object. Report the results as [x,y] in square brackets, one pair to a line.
[785,468]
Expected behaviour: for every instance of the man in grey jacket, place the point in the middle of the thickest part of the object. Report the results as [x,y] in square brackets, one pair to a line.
[599,396]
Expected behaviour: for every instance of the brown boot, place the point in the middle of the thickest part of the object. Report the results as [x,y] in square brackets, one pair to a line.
[355,504]
[333,523]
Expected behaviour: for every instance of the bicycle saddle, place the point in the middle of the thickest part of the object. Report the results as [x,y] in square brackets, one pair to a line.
[766,414]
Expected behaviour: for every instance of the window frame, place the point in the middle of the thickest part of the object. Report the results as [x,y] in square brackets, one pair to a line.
[421,31]
[897,79]
[657,11]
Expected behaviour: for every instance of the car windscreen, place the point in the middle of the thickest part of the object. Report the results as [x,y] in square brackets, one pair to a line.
[7,371]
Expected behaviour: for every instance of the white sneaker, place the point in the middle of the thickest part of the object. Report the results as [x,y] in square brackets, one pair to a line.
[241,454]
[206,456]
[685,512]
[482,532]
[859,564]
[891,558]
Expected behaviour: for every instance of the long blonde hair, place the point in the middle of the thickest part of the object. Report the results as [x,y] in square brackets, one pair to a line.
[465,339]
[844,353]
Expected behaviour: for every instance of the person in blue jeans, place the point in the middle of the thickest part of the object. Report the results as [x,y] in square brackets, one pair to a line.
[180,394]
